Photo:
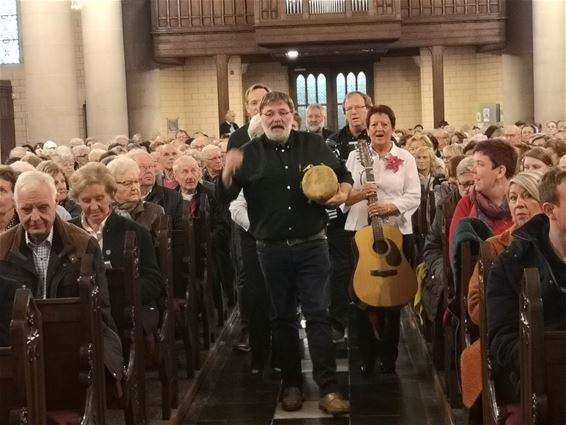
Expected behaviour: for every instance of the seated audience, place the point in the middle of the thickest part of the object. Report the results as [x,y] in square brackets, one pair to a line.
[540,244]
[128,201]
[8,216]
[51,168]
[94,188]
[495,162]
[170,200]
[43,253]
[537,160]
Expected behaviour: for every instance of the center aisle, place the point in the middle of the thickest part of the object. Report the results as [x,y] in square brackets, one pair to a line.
[231,396]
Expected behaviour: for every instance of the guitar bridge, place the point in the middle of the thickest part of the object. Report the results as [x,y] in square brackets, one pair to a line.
[384,273]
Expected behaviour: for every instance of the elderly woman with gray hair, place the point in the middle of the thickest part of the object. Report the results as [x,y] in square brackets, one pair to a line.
[94,188]
[128,199]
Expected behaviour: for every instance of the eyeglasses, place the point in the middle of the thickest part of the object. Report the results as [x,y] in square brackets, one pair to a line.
[356,108]
[146,167]
[215,158]
[465,185]
[271,114]
[128,183]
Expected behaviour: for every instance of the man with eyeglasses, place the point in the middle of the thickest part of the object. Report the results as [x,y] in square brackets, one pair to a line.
[291,242]
[355,107]
[169,199]
[214,163]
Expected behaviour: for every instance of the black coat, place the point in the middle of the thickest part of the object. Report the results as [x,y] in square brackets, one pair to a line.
[530,248]
[170,200]
[113,241]
[239,137]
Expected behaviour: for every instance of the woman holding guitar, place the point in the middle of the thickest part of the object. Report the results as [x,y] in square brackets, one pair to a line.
[386,192]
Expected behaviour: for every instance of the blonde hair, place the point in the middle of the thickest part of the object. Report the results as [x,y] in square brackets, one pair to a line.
[528,181]
[89,174]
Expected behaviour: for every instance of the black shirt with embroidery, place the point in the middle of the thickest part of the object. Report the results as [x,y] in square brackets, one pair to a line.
[271,177]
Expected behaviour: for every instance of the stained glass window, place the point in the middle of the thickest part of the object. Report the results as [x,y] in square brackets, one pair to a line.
[9,42]
[310,91]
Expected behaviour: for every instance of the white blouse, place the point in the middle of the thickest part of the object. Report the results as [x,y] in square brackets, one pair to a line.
[402,188]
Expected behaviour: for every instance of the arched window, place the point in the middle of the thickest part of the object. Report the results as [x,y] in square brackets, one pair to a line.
[310,90]
[328,85]
[345,84]
[9,39]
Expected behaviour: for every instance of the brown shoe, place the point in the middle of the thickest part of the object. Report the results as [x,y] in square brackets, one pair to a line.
[334,404]
[292,399]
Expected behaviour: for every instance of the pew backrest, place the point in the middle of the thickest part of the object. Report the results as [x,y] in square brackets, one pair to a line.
[493,414]
[22,373]
[73,347]
[543,359]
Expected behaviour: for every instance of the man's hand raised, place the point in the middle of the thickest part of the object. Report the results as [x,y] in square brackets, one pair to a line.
[233,162]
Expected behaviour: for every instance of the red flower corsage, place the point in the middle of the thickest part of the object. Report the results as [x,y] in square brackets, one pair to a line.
[393,163]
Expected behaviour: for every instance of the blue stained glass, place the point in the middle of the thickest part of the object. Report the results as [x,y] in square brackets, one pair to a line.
[311,89]
[302,111]
[341,117]
[362,86]
[301,92]
[321,85]
[9,39]
[351,82]
[340,88]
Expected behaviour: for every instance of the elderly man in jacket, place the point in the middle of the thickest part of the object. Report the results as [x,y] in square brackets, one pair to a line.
[44,253]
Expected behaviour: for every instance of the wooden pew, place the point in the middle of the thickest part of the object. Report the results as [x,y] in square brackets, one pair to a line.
[451,355]
[125,302]
[469,332]
[73,348]
[492,412]
[22,375]
[543,359]
[212,295]
[165,333]
[185,290]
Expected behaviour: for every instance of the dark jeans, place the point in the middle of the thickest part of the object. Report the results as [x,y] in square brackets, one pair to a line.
[255,302]
[342,261]
[388,325]
[293,274]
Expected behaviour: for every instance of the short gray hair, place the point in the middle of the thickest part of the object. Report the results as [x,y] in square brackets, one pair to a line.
[35,178]
[465,166]
[121,164]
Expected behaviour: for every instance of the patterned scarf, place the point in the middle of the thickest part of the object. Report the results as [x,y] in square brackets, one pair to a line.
[125,209]
[488,212]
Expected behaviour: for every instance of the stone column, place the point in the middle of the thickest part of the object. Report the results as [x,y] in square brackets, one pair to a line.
[52,105]
[549,43]
[105,73]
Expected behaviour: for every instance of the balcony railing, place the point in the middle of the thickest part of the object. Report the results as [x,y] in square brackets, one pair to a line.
[431,8]
[183,14]
[324,7]
[179,14]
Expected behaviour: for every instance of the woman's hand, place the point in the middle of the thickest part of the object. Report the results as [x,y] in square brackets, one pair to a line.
[362,193]
[382,210]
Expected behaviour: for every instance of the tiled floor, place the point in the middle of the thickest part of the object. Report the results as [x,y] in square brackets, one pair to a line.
[230,396]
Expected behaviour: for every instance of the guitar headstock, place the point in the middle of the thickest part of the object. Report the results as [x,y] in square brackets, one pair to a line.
[363,151]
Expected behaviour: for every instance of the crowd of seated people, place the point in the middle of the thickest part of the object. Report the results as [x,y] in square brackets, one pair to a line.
[485,182]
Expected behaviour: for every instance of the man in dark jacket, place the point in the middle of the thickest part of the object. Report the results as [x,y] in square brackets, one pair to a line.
[44,254]
[170,200]
[342,143]
[252,97]
[541,244]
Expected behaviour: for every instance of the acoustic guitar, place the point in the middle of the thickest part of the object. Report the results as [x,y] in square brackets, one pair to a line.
[383,277]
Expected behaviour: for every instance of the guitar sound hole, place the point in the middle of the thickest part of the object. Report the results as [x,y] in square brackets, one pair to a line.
[380,247]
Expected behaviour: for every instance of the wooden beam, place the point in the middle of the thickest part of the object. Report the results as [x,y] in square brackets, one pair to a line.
[438,84]
[222,84]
